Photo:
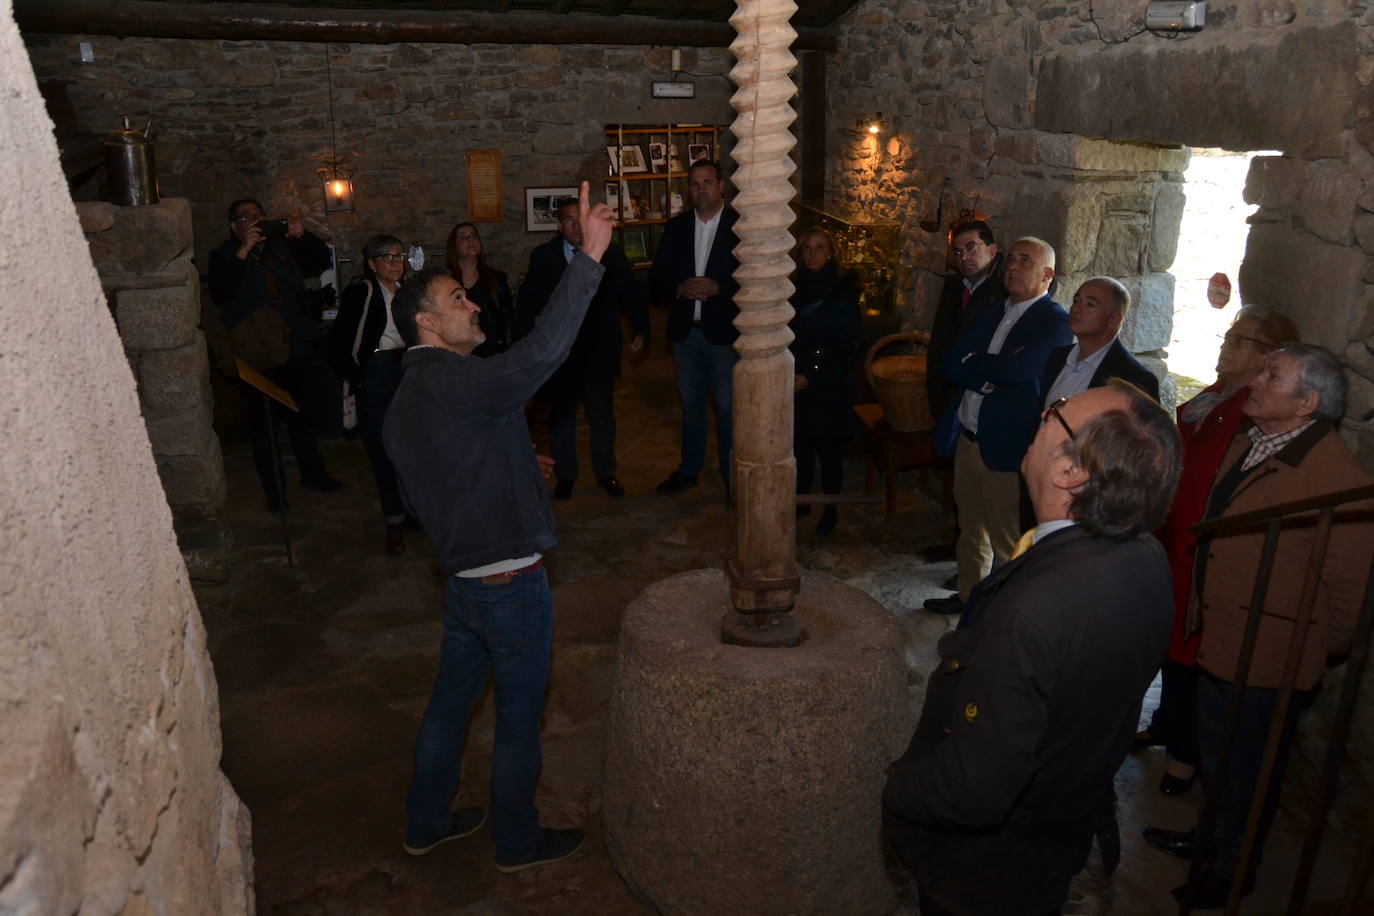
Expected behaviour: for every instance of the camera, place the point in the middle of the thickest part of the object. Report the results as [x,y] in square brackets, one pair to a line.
[272,228]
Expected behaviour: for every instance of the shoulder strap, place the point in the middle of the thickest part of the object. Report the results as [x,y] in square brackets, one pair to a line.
[362,323]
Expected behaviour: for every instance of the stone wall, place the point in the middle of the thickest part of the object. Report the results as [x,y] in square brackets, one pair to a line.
[143,257]
[251,118]
[1065,127]
[111,796]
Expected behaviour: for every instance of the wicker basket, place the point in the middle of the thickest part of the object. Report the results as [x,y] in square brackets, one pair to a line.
[899,383]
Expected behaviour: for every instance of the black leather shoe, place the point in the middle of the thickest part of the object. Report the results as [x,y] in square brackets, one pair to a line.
[950,604]
[1210,891]
[1169,784]
[937,553]
[1177,843]
[563,489]
[676,483]
[1143,739]
[395,539]
[826,526]
[613,487]
[952,583]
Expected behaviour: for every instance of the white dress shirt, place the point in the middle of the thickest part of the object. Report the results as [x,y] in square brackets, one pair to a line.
[703,238]
[1077,373]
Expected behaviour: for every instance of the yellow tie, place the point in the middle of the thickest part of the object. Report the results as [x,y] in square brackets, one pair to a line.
[1023,543]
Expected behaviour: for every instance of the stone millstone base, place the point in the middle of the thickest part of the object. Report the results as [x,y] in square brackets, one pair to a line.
[748,781]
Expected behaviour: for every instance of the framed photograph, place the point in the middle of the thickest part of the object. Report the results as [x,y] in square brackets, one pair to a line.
[697,152]
[613,154]
[674,158]
[632,159]
[658,156]
[632,241]
[541,207]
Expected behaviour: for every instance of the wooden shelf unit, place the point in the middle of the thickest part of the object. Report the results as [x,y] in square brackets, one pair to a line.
[643,201]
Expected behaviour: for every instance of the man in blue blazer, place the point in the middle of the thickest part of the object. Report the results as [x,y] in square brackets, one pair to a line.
[1095,317]
[997,363]
[694,270]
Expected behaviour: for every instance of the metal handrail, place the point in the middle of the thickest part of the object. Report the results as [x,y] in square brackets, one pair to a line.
[1274,517]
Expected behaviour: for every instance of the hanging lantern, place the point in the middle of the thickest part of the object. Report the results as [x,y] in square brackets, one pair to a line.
[338,189]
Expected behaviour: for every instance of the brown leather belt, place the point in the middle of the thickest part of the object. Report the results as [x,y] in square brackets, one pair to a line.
[505,577]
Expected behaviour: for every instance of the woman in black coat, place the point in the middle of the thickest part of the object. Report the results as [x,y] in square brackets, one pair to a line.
[487,287]
[825,348]
[365,349]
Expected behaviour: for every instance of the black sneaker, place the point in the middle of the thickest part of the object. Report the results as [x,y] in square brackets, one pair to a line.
[467,821]
[563,489]
[676,483]
[557,845]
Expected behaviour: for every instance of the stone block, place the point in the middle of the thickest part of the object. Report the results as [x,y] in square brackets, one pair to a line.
[179,377]
[728,758]
[1318,284]
[193,479]
[1007,92]
[159,319]
[1326,204]
[1149,325]
[1121,241]
[95,215]
[1273,182]
[1165,220]
[145,239]
[1149,92]
[1069,151]
[1364,232]
[180,431]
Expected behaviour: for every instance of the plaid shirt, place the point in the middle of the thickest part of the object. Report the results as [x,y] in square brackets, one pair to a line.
[1263,447]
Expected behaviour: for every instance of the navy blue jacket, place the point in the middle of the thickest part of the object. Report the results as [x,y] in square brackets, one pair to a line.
[1117,363]
[675,261]
[1008,415]
[457,434]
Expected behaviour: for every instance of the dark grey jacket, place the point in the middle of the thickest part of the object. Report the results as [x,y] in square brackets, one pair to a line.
[457,434]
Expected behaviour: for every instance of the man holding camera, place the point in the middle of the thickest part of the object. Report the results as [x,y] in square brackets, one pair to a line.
[257,280]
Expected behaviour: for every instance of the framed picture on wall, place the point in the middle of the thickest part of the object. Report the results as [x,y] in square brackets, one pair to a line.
[632,159]
[658,157]
[698,151]
[541,207]
[674,158]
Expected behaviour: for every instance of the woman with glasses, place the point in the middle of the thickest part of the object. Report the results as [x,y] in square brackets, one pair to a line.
[486,286]
[825,346]
[365,350]
[1206,424]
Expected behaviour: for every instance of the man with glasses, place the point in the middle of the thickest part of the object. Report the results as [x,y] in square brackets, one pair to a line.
[258,282]
[997,364]
[1008,779]
[976,285]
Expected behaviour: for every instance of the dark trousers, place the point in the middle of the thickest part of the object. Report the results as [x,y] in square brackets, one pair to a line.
[1174,722]
[830,452]
[931,908]
[598,396]
[294,377]
[381,378]
[1242,781]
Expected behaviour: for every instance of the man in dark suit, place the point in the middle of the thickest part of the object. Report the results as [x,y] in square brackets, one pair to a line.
[1095,318]
[965,294]
[1008,778]
[588,375]
[997,363]
[694,270]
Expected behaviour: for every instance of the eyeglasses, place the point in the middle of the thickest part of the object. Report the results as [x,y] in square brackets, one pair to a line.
[248,216]
[968,250]
[1053,410]
[1235,340]
[394,257]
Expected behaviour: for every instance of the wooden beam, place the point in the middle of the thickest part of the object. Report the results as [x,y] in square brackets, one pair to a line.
[681,9]
[616,7]
[563,7]
[259,22]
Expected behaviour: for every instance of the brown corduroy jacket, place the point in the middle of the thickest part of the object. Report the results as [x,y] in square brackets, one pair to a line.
[1315,463]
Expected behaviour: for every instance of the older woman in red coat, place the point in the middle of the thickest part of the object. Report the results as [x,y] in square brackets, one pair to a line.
[1206,424]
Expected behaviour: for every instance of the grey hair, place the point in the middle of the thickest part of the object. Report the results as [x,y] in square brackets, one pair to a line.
[1320,371]
[1121,297]
[1276,327]
[378,244]
[1045,248]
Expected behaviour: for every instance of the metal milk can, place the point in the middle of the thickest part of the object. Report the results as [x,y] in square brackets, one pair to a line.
[132,167]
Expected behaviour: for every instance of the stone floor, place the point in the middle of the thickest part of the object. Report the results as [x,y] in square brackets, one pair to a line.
[324,668]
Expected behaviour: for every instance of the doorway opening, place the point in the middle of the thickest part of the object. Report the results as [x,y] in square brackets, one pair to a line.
[1211,240]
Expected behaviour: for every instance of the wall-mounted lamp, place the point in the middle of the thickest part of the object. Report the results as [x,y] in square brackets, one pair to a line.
[867,127]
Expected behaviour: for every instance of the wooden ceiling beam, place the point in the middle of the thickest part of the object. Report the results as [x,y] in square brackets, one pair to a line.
[563,7]
[259,22]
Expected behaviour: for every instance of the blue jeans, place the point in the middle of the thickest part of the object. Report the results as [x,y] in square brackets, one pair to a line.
[703,369]
[507,630]
[1242,782]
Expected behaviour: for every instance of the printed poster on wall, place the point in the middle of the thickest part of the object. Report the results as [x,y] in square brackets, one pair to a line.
[484,185]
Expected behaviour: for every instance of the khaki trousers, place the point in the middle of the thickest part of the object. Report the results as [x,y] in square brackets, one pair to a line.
[989,515]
